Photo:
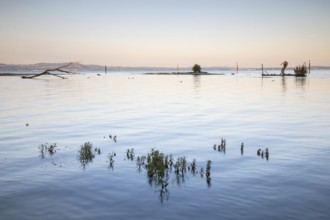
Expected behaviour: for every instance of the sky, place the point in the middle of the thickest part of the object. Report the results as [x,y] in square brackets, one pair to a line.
[166,33]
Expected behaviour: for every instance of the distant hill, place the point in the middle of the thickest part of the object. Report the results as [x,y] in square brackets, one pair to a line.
[44,66]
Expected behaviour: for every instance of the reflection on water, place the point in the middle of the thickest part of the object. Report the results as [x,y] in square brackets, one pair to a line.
[300,81]
[284,85]
[197,82]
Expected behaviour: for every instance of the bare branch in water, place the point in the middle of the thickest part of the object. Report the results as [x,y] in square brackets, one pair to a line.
[48,72]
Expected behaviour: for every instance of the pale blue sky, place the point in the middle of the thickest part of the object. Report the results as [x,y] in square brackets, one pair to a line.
[165,32]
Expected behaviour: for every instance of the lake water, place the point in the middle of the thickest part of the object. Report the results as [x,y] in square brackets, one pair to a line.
[182,116]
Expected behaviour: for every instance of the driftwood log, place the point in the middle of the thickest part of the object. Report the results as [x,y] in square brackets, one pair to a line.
[49,72]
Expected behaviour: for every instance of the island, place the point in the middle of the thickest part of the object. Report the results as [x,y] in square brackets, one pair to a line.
[196,70]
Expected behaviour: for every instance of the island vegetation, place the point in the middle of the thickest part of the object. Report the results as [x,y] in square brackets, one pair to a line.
[300,70]
[196,70]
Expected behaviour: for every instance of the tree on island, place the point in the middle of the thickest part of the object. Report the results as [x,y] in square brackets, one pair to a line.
[196,68]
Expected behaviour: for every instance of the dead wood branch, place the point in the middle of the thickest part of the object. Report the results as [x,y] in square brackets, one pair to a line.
[49,72]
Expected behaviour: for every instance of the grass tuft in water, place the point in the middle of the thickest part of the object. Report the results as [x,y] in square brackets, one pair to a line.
[130,154]
[45,149]
[111,160]
[86,154]
[208,173]
[221,147]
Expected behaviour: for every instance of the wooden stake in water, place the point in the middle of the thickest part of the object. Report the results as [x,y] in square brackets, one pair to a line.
[309,66]
[236,68]
[262,69]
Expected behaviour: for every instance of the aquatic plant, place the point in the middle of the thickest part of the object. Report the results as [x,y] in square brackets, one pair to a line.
[221,147]
[157,168]
[130,154]
[201,172]
[98,150]
[180,166]
[263,153]
[193,166]
[140,162]
[267,153]
[113,137]
[300,70]
[208,172]
[45,149]
[86,154]
[111,160]
[259,152]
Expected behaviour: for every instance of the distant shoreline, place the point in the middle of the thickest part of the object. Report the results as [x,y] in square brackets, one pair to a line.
[183,73]
[17,74]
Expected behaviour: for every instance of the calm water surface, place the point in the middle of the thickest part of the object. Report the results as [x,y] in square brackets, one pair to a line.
[178,115]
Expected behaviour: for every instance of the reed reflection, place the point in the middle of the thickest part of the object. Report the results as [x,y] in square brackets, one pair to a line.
[300,82]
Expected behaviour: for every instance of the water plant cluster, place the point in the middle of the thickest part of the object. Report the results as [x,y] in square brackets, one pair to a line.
[130,154]
[300,70]
[47,149]
[86,154]
[97,150]
[208,172]
[111,159]
[113,137]
[263,154]
[221,147]
[160,168]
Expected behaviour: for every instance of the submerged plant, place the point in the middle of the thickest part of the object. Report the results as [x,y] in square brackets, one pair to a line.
[193,166]
[130,154]
[221,147]
[242,148]
[111,160]
[208,169]
[180,166]
[97,150]
[263,153]
[45,149]
[140,162]
[86,154]
[156,167]
[208,173]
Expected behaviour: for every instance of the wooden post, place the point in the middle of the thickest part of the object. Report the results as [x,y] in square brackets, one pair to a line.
[105,69]
[262,69]
[236,68]
[309,66]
